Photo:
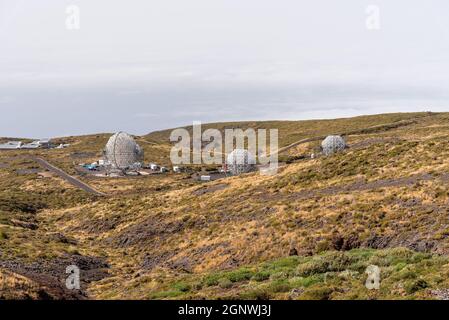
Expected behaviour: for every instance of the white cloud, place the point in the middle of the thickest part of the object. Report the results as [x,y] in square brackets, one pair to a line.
[234,56]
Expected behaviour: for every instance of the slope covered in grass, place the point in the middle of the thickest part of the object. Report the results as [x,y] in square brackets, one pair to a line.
[169,236]
[404,274]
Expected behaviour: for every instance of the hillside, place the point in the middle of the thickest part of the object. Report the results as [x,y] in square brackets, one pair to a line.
[308,232]
[292,131]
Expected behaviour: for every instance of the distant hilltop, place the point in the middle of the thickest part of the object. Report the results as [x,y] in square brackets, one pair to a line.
[37,144]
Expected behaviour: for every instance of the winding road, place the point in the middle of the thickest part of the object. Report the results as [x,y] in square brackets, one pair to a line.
[72,180]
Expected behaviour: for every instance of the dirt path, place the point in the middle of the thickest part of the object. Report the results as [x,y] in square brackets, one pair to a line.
[72,180]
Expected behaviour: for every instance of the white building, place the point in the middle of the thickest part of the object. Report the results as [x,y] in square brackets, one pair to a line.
[176,169]
[62,146]
[11,145]
[44,143]
[31,145]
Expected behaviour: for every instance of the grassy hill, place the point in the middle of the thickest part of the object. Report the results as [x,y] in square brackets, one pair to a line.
[291,131]
[308,232]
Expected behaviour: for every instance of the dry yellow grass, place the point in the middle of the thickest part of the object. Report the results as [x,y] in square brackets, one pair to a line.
[388,188]
[17,287]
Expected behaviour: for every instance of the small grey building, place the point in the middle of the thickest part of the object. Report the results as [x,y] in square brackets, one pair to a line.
[11,145]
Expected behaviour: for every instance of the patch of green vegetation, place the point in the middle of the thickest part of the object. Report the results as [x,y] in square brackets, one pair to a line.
[261,276]
[305,282]
[327,262]
[212,279]
[182,286]
[413,286]
[256,294]
[329,275]
[319,292]
[239,275]
[279,285]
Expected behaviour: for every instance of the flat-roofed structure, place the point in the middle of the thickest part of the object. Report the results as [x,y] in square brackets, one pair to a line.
[11,145]
[37,144]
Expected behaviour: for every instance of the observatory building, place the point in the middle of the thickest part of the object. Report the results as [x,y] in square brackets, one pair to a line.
[240,161]
[333,144]
[123,153]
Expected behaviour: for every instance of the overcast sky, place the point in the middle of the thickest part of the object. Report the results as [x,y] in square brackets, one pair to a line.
[144,65]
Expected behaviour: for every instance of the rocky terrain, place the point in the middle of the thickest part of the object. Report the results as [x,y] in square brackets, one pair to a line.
[308,232]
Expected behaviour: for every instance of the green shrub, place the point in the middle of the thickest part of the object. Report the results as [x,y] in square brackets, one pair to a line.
[279,275]
[261,276]
[393,257]
[305,282]
[400,266]
[415,285]
[318,293]
[404,274]
[338,261]
[182,286]
[240,275]
[329,262]
[225,283]
[312,267]
[212,279]
[279,286]
[256,294]
[289,262]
